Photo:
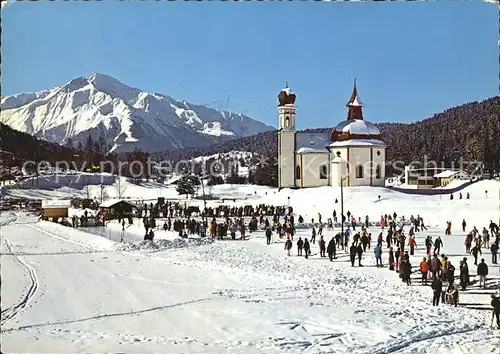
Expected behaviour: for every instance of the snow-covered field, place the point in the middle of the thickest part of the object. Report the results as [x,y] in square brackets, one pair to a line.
[69,291]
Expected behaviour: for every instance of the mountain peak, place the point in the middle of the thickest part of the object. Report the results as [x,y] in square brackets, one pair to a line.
[125,117]
[113,87]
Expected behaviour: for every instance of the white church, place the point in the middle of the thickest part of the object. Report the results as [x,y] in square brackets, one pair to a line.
[352,154]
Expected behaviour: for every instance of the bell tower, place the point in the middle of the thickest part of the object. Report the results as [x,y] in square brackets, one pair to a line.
[286,139]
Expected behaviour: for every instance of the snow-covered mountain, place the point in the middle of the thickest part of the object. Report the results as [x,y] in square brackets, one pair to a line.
[125,117]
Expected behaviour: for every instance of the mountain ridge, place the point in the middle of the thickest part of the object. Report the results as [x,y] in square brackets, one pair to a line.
[470,131]
[125,117]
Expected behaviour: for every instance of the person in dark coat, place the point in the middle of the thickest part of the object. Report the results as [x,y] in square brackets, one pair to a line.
[397,255]
[437,286]
[494,253]
[332,249]
[495,303]
[464,274]
[407,272]
[391,259]
[322,247]
[269,233]
[307,248]
[352,253]
[360,254]
[450,272]
[474,253]
[482,271]
[300,244]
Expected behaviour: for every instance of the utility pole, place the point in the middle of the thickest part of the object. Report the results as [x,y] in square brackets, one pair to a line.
[342,179]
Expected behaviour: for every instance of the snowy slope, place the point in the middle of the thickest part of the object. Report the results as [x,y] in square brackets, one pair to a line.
[70,291]
[125,117]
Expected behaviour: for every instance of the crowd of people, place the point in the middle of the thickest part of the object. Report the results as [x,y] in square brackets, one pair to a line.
[436,269]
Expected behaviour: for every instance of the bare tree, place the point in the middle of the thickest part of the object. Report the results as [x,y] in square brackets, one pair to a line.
[120,187]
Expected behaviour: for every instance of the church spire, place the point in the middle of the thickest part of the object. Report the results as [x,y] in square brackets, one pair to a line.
[355,105]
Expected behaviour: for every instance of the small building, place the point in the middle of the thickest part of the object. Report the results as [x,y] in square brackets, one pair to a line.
[114,208]
[55,209]
[430,177]
[444,178]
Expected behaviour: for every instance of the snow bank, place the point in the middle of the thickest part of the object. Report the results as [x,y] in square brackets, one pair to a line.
[75,181]
[161,245]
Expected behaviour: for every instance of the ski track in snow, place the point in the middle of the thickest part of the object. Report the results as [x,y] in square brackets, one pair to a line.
[319,284]
[12,311]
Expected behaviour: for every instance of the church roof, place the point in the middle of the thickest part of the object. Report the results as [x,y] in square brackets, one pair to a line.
[357,126]
[304,150]
[359,142]
[286,96]
[315,141]
[354,100]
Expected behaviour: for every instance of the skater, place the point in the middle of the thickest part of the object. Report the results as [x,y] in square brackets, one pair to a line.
[332,250]
[494,253]
[464,274]
[482,271]
[435,267]
[437,287]
[313,235]
[468,243]
[437,245]
[269,234]
[288,245]
[307,248]
[407,272]
[360,254]
[352,254]
[412,243]
[464,225]
[428,245]
[452,295]
[495,303]
[322,247]
[300,244]
[378,255]
[424,269]
[397,255]
[448,228]
[474,253]
[391,259]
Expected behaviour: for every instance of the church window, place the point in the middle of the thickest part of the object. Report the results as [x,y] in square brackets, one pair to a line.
[287,122]
[297,172]
[378,153]
[323,172]
[378,172]
[359,171]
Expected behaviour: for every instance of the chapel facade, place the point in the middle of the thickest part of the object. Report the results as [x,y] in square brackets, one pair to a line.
[353,153]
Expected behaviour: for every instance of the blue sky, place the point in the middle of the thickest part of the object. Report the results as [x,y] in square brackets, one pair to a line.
[411,59]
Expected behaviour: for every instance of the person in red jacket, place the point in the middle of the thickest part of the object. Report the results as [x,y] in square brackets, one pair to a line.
[424,269]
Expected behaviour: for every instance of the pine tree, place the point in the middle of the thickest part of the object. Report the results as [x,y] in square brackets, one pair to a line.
[185,186]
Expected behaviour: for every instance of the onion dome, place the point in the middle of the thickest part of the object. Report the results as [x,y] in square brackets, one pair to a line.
[286,96]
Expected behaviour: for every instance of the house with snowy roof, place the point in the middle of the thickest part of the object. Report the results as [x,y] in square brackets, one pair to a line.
[353,153]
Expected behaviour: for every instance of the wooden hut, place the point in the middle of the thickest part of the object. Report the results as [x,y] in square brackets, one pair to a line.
[55,209]
[114,208]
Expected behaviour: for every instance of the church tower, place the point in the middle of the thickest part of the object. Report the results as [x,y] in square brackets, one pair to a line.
[286,139]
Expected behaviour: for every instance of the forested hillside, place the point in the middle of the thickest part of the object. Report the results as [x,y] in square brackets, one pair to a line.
[470,131]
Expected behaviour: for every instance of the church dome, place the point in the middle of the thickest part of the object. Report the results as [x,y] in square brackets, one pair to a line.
[286,96]
[355,127]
